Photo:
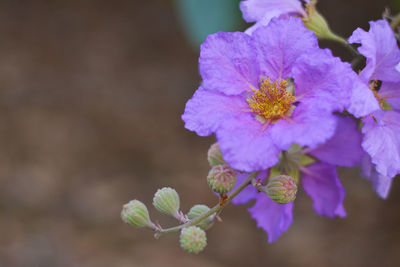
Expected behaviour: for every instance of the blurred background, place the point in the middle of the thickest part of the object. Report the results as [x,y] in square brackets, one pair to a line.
[91,94]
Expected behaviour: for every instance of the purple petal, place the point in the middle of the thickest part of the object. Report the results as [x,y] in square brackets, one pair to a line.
[248,193]
[391,93]
[207,110]
[366,165]
[379,46]
[307,126]
[382,141]
[380,183]
[362,100]
[274,218]
[228,63]
[256,10]
[321,183]
[246,144]
[333,84]
[344,148]
[280,44]
[265,21]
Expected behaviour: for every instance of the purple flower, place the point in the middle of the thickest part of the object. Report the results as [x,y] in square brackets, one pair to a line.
[320,181]
[262,93]
[381,128]
[262,11]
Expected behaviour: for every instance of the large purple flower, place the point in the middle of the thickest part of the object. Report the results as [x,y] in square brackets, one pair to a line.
[319,180]
[381,128]
[262,93]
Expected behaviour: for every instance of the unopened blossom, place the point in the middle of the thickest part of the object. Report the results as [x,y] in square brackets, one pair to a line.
[319,180]
[262,93]
[381,128]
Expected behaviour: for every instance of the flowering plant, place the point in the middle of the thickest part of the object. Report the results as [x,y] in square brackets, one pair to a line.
[286,114]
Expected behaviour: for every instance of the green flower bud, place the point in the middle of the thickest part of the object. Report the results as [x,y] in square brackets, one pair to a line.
[193,239]
[221,179]
[214,155]
[317,23]
[166,200]
[198,210]
[282,189]
[136,214]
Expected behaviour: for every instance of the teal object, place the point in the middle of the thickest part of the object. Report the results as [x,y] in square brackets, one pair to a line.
[202,17]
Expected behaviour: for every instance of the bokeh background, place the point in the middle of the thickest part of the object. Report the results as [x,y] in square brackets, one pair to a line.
[91,94]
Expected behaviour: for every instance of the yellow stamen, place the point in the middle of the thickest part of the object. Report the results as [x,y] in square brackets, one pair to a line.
[271,101]
[373,85]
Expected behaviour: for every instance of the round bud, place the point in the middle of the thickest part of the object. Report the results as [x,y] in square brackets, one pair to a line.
[193,239]
[214,155]
[136,214]
[166,200]
[221,179]
[198,210]
[281,189]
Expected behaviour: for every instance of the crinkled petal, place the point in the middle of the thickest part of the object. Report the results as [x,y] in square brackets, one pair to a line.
[382,141]
[256,10]
[246,144]
[344,148]
[274,218]
[248,193]
[265,20]
[307,126]
[380,183]
[228,63]
[326,81]
[380,48]
[362,100]
[280,43]
[321,183]
[391,93]
[207,110]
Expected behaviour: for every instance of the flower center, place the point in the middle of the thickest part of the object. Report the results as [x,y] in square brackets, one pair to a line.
[272,101]
[374,85]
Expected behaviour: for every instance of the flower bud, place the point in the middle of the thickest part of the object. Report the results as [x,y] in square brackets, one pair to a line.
[193,239]
[136,214]
[198,210]
[221,179]
[317,23]
[166,200]
[214,155]
[281,189]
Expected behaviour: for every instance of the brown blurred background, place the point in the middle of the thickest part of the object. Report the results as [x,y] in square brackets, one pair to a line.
[91,94]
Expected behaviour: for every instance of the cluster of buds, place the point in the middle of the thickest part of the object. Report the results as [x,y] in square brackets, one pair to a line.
[166,200]
[221,179]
